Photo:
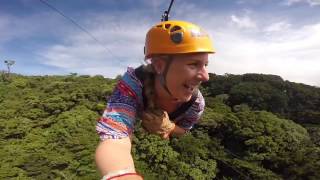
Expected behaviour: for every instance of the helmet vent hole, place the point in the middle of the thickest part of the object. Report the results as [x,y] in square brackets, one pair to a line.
[159,26]
[175,28]
[167,26]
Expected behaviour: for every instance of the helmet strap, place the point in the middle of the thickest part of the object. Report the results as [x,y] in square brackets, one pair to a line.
[163,76]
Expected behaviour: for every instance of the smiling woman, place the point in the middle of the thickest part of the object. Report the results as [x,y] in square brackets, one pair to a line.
[164,94]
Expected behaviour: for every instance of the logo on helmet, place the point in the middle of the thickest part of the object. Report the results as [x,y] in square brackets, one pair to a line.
[198,33]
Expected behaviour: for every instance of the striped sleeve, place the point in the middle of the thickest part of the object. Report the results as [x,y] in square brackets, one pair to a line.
[119,116]
[193,114]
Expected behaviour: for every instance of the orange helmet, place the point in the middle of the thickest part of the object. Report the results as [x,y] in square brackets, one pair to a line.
[177,37]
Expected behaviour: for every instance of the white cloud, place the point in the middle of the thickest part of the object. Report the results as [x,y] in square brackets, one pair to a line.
[273,47]
[14,28]
[243,22]
[292,54]
[11,27]
[120,44]
[310,2]
[277,27]
[156,4]
[280,48]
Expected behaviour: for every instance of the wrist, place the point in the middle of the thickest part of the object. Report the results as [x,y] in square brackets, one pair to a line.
[178,131]
[171,131]
[138,176]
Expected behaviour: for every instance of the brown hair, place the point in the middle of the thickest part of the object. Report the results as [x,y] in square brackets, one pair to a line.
[149,86]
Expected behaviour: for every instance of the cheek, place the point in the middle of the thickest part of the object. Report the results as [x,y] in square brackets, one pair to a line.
[177,77]
[182,68]
[181,74]
[187,72]
[174,80]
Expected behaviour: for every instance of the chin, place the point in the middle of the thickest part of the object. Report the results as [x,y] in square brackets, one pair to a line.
[185,98]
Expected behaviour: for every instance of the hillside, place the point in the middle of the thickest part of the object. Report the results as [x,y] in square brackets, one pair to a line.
[254,127]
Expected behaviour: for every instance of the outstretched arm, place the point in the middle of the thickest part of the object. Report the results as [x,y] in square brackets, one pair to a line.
[115,127]
[113,156]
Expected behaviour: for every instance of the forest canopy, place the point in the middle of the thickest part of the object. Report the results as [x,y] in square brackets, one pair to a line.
[254,126]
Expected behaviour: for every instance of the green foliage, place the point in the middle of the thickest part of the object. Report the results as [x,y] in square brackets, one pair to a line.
[295,101]
[47,131]
[259,96]
[314,131]
[47,128]
[175,159]
[264,141]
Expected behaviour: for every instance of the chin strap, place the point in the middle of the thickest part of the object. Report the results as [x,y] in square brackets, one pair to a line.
[163,76]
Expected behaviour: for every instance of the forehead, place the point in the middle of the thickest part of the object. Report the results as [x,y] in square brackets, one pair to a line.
[193,56]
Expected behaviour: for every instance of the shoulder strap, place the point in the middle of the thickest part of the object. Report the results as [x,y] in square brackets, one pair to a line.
[184,107]
[140,75]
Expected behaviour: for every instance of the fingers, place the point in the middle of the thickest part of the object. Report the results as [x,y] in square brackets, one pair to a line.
[165,136]
[147,116]
[157,122]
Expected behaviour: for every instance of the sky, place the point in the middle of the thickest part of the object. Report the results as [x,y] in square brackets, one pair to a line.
[280,37]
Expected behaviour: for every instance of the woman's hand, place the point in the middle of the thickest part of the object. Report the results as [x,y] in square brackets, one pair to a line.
[157,122]
[167,135]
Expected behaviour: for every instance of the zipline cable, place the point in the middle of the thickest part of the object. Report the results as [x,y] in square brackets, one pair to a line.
[165,15]
[79,26]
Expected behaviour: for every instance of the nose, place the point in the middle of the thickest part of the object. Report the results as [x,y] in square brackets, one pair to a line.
[203,75]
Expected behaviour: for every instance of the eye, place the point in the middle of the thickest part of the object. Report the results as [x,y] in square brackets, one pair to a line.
[193,65]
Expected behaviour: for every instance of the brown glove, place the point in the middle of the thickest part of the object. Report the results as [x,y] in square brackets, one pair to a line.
[157,122]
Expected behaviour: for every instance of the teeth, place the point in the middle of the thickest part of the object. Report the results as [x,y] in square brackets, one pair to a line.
[189,87]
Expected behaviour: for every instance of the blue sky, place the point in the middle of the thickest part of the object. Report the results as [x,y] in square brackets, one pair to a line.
[279,37]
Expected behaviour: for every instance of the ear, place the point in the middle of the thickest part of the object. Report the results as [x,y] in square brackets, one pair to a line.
[158,65]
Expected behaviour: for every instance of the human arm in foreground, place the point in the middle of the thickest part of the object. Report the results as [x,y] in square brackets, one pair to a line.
[113,156]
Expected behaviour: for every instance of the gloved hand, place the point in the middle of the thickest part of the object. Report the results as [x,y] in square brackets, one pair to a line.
[157,122]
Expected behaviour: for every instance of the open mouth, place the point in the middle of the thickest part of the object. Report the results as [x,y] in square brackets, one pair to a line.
[190,87]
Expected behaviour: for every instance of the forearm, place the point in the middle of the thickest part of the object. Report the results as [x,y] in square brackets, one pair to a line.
[113,155]
[177,131]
